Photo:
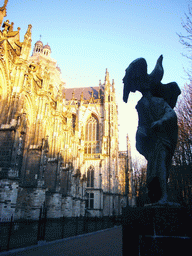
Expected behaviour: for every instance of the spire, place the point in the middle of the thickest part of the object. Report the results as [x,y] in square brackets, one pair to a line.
[26,47]
[28,33]
[92,97]
[100,87]
[73,95]
[113,86]
[99,93]
[81,96]
[107,77]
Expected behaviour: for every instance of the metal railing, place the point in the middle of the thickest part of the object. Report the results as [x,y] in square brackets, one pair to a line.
[22,233]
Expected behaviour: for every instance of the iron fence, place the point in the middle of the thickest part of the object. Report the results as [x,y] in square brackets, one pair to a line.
[24,232]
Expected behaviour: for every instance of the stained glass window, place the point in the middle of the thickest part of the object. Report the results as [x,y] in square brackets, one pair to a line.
[92,136]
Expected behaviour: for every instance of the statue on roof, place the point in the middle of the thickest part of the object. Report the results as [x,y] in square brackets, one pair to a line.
[157,130]
[3,11]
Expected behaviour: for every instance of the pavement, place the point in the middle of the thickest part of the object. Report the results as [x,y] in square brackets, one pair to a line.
[101,243]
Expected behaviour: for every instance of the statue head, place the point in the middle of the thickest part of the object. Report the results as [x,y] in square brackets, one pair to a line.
[3,11]
[135,78]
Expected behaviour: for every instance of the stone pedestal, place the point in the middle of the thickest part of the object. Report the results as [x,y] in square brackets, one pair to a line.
[156,230]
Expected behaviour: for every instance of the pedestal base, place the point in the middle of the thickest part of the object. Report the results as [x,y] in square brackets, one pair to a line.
[156,230]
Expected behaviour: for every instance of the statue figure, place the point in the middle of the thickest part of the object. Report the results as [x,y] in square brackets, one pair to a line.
[3,12]
[157,130]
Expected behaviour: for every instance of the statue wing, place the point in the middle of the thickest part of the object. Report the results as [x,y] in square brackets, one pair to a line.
[158,72]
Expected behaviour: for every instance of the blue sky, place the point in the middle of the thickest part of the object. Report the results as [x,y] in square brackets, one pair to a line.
[86,37]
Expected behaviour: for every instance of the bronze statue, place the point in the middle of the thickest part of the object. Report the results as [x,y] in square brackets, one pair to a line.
[157,131]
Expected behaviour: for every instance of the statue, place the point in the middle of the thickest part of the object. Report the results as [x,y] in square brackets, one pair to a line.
[157,130]
[3,12]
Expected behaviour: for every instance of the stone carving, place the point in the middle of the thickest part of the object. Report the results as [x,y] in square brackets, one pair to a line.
[3,12]
[157,130]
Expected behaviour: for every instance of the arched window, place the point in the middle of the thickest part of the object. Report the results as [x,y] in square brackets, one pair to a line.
[92,136]
[73,123]
[90,177]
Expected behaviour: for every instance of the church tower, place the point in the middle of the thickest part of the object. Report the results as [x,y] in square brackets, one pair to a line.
[38,48]
[47,50]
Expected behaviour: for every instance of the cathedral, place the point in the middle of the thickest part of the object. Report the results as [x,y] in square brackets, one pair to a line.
[59,146]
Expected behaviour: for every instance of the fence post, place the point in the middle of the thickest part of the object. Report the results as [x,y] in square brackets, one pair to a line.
[95,223]
[63,221]
[76,224]
[84,230]
[102,222]
[39,225]
[85,224]
[109,222]
[9,234]
[44,221]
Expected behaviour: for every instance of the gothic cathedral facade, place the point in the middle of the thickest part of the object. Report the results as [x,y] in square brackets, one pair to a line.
[59,146]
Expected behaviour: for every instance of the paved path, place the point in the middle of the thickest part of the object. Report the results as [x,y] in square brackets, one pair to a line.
[101,243]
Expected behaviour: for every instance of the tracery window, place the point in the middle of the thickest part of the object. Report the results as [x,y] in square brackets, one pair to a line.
[92,136]
[90,177]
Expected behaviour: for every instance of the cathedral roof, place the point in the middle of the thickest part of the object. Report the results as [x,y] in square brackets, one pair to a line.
[87,93]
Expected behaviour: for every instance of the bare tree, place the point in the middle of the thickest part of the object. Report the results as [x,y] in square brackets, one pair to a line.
[139,176]
[186,40]
[180,180]
[183,152]
[181,173]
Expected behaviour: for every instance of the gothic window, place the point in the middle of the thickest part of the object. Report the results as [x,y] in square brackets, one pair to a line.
[90,177]
[92,136]
[90,201]
[73,123]
[112,111]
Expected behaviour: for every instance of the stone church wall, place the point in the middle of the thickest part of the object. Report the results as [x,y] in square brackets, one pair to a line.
[67,206]
[29,202]
[8,198]
[53,204]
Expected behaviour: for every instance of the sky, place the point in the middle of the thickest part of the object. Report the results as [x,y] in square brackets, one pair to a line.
[88,36]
